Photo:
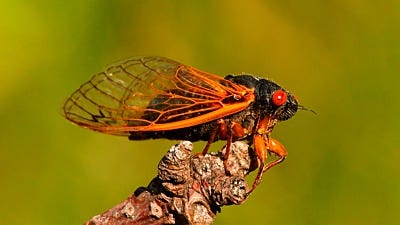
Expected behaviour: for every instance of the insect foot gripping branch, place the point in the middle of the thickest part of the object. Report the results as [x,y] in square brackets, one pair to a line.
[189,189]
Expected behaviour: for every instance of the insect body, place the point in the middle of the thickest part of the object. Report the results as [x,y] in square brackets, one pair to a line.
[155,97]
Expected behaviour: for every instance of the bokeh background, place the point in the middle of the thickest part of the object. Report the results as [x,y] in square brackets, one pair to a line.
[341,58]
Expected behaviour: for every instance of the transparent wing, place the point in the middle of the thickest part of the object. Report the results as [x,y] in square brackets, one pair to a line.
[153,94]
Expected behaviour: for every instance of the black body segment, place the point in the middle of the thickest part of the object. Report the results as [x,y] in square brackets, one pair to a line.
[261,107]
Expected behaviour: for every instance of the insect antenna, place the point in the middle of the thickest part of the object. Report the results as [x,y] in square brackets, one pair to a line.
[306,109]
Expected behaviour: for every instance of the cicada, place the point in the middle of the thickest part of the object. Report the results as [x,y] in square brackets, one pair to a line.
[156,97]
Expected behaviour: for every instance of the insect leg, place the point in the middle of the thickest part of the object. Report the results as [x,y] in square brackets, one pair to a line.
[236,130]
[221,129]
[277,148]
[263,144]
[260,146]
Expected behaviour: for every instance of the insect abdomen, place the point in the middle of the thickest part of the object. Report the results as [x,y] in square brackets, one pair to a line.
[195,133]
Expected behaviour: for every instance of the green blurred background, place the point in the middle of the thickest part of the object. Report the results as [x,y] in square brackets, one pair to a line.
[341,58]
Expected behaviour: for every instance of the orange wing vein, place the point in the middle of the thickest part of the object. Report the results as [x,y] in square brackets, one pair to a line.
[153,94]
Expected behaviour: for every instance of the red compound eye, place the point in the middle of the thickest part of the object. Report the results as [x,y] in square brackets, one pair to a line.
[279,97]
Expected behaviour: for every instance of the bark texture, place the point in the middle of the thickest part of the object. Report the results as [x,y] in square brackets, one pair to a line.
[189,188]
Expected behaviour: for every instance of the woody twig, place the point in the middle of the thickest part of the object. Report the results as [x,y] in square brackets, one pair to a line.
[189,189]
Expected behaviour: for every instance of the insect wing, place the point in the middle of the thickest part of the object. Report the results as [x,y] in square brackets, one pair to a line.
[153,94]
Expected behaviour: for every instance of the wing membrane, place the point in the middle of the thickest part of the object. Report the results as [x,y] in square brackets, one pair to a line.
[153,94]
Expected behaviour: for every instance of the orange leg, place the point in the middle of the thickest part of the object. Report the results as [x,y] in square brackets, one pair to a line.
[262,145]
[235,131]
[221,129]
[277,148]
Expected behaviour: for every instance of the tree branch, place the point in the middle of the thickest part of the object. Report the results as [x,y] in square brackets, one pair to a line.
[189,188]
